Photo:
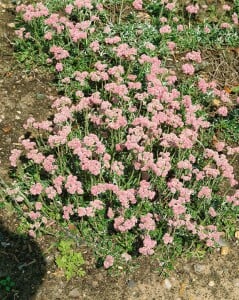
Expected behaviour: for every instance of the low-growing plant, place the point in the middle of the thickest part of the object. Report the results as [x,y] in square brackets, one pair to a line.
[69,260]
[7,283]
[129,155]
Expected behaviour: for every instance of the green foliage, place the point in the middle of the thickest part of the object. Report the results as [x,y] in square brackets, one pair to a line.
[7,283]
[69,260]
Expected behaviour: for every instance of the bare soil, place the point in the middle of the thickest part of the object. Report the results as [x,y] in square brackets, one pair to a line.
[30,263]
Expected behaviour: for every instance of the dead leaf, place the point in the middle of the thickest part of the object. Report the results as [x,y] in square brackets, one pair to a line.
[7,129]
[216,102]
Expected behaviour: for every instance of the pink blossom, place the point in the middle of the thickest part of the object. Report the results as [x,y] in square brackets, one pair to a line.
[222,111]
[15,154]
[180,27]
[109,261]
[192,9]
[205,192]
[38,205]
[170,6]
[126,256]
[69,8]
[50,192]
[165,29]
[138,4]
[212,212]
[148,245]
[36,189]
[188,69]
[59,67]
[73,186]
[167,239]
[226,7]
[225,25]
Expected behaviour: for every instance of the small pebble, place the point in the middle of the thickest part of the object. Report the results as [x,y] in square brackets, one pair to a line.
[237,235]
[11,25]
[236,282]
[75,293]
[211,283]
[40,96]
[167,284]
[131,283]
[198,268]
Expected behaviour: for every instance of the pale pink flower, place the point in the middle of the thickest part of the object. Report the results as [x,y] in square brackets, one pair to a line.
[225,25]
[212,212]
[188,69]
[170,6]
[109,261]
[167,239]
[192,9]
[36,189]
[205,192]
[59,67]
[126,256]
[38,205]
[15,154]
[165,29]
[226,7]
[222,111]
[138,4]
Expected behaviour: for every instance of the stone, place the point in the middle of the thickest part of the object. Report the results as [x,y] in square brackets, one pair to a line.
[131,283]
[211,283]
[75,293]
[199,268]
[167,284]
[11,25]
[235,282]
[40,96]
[237,235]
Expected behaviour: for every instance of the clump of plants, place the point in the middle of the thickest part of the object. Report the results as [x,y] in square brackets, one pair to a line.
[7,284]
[129,155]
[69,260]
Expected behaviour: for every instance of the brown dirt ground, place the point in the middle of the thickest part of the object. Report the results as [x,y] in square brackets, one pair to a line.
[35,277]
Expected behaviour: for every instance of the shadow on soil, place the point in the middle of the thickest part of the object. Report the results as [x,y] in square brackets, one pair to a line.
[22,266]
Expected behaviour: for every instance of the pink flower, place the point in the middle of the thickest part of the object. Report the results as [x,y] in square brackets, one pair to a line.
[126,256]
[38,205]
[138,4]
[212,212]
[73,186]
[222,111]
[225,25]
[15,154]
[48,36]
[226,7]
[69,9]
[171,45]
[207,29]
[205,192]
[109,261]
[50,192]
[170,6]
[188,69]
[180,27]
[194,56]
[95,46]
[165,29]
[167,239]
[36,189]
[192,9]
[59,67]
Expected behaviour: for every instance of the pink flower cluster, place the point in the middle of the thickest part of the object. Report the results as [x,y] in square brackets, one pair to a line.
[148,245]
